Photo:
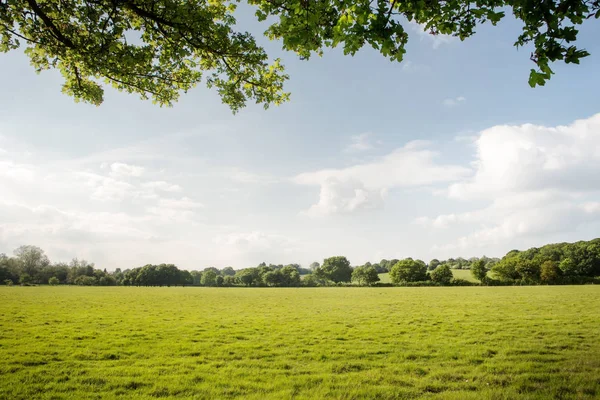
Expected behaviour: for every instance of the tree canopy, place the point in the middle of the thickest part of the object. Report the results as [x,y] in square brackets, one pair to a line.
[161,48]
[365,275]
[408,270]
[336,269]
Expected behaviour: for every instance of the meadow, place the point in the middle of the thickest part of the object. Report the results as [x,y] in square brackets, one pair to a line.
[537,342]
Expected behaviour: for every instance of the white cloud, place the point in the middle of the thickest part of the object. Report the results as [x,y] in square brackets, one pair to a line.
[454,102]
[359,143]
[182,203]
[498,226]
[537,181]
[26,223]
[161,186]
[436,40]
[122,170]
[532,157]
[104,188]
[361,186]
[343,197]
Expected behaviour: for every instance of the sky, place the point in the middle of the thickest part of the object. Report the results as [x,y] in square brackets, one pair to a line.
[449,153]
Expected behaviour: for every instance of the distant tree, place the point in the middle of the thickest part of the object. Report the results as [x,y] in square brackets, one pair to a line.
[315,279]
[408,270]
[248,276]
[479,270]
[31,260]
[25,279]
[196,278]
[314,265]
[229,280]
[228,271]
[209,277]
[290,275]
[460,263]
[58,270]
[568,266]
[53,281]
[213,269]
[529,271]
[85,280]
[220,280]
[337,269]
[273,278]
[9,270]
[365,275]
[550,273]
[386,265]
[442,274]
[433,264]
[506,269]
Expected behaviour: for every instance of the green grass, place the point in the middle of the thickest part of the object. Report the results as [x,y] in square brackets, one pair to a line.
[464,274]
[343,343]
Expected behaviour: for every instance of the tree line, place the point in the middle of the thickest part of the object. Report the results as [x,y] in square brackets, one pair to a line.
[561,263]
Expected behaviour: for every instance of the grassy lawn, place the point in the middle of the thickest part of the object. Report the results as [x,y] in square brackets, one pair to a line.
[344,343]
[464,274]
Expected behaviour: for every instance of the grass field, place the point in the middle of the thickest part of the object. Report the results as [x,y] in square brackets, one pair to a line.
[343,343]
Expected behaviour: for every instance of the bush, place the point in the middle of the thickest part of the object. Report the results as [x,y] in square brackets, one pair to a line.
[229,280]
[419,284]
[461,282]
[107,281]
[53,281]
[8,282]
[442,275]
[479,270]
[25,279]
[383,284]
[84,280]
[550,273]
[408,270]
[497,282]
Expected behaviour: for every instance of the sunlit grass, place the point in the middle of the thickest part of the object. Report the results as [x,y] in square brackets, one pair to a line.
[448,342]
[464,274]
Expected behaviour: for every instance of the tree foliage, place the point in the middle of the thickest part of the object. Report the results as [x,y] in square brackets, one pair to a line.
[156,49]
[554,263]
[161,48]
[442,275]
[479,270]
[365,275]
[209,278]
[336,269]
[408,270]
[549,272]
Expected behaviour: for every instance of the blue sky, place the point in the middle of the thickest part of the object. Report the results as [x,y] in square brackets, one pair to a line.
[449,153]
